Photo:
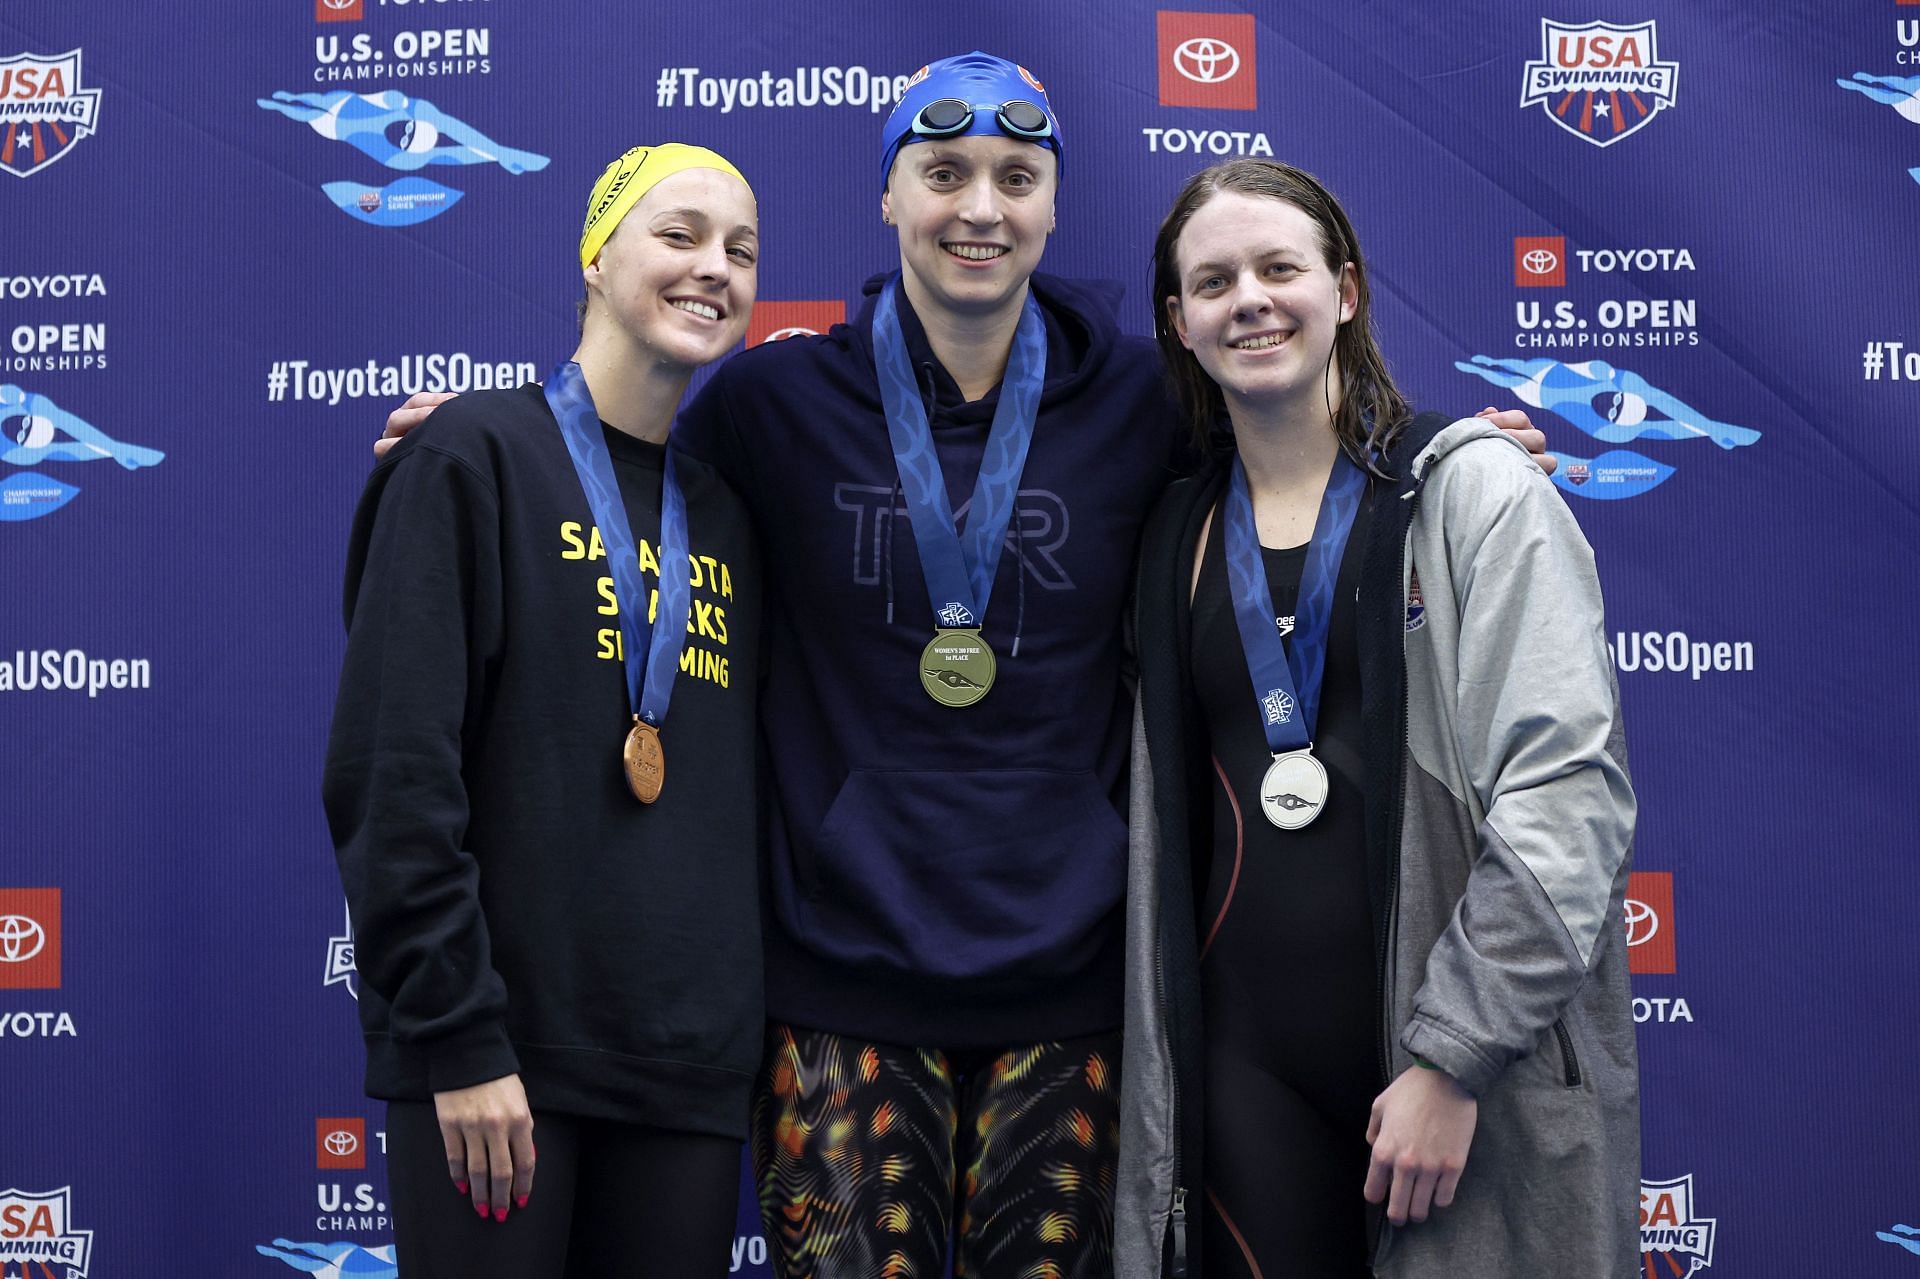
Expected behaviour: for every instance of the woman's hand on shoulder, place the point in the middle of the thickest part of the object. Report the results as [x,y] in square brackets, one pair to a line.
[488,1133]
[408,416]
[1515,421]
[1420,1130]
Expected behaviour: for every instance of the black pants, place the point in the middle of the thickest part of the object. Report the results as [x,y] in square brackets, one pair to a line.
[608,1200]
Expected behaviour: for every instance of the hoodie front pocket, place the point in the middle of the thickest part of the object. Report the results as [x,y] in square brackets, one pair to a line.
[967,874]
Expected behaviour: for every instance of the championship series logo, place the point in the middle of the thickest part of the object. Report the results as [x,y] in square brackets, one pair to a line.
[44,110]
[1599,81]
[37,1236]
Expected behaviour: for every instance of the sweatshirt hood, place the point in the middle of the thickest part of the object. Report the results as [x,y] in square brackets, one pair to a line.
[1082,325]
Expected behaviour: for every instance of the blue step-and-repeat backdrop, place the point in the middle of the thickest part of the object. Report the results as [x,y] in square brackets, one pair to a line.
[236,234]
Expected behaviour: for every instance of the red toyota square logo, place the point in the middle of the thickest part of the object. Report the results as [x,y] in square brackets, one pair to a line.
[339,10]
[1207,60]
[1539,261]
[29,939]
[773,321]
[340,1143]
[1649,917]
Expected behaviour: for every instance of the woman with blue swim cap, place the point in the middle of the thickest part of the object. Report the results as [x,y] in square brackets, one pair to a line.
[945,723]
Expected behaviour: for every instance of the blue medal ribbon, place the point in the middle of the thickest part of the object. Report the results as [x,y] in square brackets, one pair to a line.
[1287,673]
[959,568]
[652,653]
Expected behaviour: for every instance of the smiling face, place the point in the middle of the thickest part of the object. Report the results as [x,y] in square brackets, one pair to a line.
[679,273]
[973,216]
[1259,305]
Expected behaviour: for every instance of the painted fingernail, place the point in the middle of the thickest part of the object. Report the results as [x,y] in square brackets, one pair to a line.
[521,1202]
[461,1186]
[499,1214]
[481,1209]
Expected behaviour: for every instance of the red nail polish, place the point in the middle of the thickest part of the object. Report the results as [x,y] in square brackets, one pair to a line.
[499,1214]
[461,1186]
[481,1209]
[521,1202]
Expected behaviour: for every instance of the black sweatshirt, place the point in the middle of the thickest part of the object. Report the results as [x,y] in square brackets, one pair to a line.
[936,876]
[515,908]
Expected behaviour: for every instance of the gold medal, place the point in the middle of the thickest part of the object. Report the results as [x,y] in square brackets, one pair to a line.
[646,763]
[957,668]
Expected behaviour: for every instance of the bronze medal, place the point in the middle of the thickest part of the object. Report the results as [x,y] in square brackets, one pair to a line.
[957,668]
[646,763]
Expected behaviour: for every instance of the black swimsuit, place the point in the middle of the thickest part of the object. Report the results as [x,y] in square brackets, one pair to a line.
[1287,964]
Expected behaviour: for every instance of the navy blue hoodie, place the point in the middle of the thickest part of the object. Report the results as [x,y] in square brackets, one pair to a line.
[937,876]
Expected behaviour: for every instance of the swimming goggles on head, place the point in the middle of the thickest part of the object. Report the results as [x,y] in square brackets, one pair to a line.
[950,117]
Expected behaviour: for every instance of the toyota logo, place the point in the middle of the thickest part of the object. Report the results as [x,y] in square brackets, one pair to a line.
[1205,60]
[20,939]
[1539,261]
[338,4]
[340,1143]
[1642,923]
[791,331]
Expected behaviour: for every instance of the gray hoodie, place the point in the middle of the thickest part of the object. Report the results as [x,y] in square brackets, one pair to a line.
[1504,858]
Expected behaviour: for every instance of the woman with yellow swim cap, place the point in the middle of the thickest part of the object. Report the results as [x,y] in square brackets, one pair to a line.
[540,778]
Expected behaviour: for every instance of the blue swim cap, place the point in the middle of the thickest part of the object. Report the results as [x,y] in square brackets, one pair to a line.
[982,81]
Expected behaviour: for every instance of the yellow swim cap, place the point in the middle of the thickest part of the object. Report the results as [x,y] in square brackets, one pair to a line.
[633,175]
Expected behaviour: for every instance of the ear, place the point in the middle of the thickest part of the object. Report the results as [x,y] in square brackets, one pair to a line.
[886,207]
[1178,320]
[1349,292]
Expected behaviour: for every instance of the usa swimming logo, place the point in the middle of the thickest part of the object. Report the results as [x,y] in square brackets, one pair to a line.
[1279,706]
[956,614]
[36,1233]
[1670,1230]
[1599,81]
[1416,603]
[45,110]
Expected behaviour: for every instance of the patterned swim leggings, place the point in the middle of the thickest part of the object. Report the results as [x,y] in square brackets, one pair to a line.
[867,1155]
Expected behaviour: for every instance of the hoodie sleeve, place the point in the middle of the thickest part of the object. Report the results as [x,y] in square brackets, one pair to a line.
[1536,728]
[705,430]
[423,608]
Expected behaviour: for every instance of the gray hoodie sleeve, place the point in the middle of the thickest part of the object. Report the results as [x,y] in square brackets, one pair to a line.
[1526,731]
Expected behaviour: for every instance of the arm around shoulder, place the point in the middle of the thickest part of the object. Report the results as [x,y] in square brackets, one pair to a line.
[1536,727]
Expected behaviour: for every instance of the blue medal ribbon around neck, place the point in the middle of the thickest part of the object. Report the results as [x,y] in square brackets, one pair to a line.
[652,652]
[1287,673]
[959,568]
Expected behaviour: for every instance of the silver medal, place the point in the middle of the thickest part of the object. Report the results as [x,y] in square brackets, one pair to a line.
[1294,789]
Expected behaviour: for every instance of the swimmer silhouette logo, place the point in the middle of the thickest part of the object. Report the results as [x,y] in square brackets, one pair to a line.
[44,110]
[401,133]
[1600,81]
[33,429]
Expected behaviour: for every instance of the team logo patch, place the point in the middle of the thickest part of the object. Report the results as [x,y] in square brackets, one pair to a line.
[44,110]
[1599,81]
[1670,1230]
